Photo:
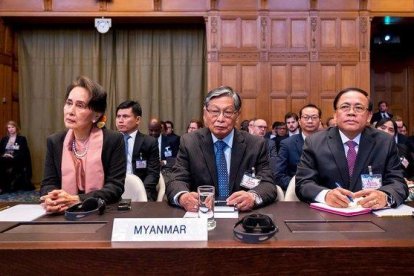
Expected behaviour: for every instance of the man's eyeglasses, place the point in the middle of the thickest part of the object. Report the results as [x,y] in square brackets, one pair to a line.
[262,127]
[359,109]
[217,112]
[313,117]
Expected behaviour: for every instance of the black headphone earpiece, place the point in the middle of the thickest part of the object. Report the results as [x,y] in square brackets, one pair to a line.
[257,228]
[89,206]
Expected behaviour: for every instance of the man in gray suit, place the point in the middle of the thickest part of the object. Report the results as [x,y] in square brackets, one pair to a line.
[334,160]
[198,162]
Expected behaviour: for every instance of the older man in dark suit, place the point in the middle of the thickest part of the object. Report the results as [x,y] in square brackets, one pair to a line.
[221,147]
[141,150]
[333,160]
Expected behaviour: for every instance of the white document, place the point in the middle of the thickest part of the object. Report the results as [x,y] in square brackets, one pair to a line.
[402,210]
[22,212]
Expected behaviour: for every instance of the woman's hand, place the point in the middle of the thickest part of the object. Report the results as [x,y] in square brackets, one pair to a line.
[57,201]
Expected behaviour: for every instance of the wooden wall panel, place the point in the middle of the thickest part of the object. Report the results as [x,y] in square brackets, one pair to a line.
[76,5]
[184,5]
[248,110]
[278,33]
[249,34]
[349,33]
[328,33]
[299,33]
[279,76]
[334,5]
[291,5]
[229,76]
[391,5]
[296,105]
[278,110]
[232,5]
[22,5]
[300,78]
[328,78]
[123,6]
[249,80]
[230,33]
[349,76]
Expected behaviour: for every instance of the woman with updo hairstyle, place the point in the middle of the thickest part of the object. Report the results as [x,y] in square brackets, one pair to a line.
[85,160]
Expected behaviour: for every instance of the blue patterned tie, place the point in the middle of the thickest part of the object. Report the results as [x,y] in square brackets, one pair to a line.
[221,165]
[126,137]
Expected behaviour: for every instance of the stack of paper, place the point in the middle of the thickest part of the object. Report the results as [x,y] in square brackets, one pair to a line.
[400,211]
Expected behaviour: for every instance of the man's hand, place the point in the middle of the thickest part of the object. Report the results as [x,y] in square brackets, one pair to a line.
[338,197]
[243,200]
[189,201]
[372,198]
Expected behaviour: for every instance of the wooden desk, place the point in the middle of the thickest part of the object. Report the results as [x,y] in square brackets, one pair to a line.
[388,249]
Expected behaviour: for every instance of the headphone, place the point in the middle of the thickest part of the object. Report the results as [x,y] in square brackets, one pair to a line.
[88,207]
[257,228]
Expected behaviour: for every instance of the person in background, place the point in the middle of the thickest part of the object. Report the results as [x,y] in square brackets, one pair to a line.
[407,163]
[260,127]
[15,161]
[251,126]
[334,162]
[404,130]
[292,123]
[244,125]
[220,155]
[382,112]
[167,145]
[281,133]
[330,122]
[169,130]
[291,148]
[194,125]
[142,153]
[85,160]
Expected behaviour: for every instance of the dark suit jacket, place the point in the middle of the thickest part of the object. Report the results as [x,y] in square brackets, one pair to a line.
[195,165]
[278,139]
[22,155]
[377,116]
[323,163]
[146,146]
[15,173]
[288,159]
[113,161]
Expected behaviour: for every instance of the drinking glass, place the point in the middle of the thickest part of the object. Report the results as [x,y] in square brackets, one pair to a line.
[206,205]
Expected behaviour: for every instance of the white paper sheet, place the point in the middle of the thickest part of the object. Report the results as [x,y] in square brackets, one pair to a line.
[22,212]
[234,214]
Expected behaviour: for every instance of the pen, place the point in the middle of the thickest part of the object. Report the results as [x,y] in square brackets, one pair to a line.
[4,208]
[339,186]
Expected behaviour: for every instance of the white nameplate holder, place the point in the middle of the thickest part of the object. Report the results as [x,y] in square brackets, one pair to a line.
[159,229]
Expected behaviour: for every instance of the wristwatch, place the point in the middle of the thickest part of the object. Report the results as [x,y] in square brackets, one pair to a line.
[257,199]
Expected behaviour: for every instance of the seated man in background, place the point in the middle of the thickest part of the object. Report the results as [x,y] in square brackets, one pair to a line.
[141,150]
[291,148]
[220,155]
[167,145]
[260,127]
[335,161]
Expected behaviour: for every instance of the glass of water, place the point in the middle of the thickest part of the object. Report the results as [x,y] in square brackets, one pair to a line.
[206,205]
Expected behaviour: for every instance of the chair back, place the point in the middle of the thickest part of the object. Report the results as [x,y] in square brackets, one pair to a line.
[290,191]
[280,193]
[134,188]
[161,188]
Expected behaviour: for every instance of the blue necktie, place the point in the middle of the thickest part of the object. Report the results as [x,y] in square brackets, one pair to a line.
[221,165]
[126,137]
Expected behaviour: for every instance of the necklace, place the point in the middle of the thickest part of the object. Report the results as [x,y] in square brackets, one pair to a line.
[77,154]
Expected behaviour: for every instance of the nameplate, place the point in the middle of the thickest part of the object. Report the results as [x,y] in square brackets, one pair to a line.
[159,229]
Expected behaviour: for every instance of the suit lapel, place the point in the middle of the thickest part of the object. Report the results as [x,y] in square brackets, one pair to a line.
[137,144]
[237,152]
[206,147]
[366,144]
[337,150]
[299,143]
